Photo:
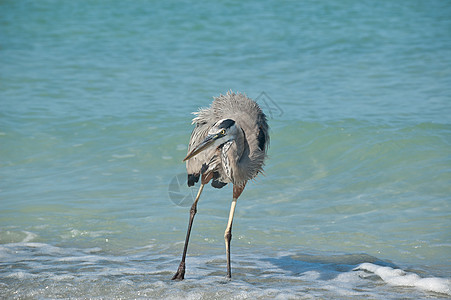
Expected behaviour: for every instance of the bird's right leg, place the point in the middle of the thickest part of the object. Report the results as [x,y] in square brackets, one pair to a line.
[237,190]
[180,274]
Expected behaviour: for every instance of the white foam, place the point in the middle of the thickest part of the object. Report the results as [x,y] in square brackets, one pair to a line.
[398,277]
[310,275]
[29,237]
[120,156]
[21,275]
[64,277]
[181,147]
[94,234]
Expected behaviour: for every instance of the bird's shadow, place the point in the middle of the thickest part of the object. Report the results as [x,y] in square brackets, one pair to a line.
[327,266]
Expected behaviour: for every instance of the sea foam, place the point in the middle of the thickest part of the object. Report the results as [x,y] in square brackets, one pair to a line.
[398,277]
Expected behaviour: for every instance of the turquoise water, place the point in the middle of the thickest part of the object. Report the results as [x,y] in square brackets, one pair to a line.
[95,103]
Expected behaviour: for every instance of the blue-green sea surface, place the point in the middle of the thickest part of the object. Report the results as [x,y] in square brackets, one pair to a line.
[95,103]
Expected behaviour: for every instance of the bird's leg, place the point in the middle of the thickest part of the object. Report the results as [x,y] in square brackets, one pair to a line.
[180,274]
[237,190]
[228,236]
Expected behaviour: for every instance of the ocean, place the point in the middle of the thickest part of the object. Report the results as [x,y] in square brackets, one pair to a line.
[95,117]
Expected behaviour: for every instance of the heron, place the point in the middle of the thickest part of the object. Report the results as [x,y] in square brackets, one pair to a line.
[228,145]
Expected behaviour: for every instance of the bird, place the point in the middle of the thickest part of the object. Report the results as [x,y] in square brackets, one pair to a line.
[228,144]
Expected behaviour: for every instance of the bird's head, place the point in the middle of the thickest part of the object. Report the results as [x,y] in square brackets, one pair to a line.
[223,131]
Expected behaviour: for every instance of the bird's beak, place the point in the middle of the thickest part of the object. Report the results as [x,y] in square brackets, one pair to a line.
[207,142]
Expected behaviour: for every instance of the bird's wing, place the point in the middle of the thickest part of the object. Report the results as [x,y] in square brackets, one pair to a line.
[252,121]
[203,121]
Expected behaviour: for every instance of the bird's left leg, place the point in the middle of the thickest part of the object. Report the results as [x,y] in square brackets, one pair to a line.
[180,274]
[237,190]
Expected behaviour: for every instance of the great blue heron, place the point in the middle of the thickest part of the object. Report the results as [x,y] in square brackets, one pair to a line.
[228,145]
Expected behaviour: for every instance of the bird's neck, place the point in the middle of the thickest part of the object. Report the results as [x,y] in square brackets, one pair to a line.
[231,154]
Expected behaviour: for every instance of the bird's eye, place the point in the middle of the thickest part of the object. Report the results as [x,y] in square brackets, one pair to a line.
[223,132]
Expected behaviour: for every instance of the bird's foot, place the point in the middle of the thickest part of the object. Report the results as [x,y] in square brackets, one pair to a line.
[229,276]
[180,274]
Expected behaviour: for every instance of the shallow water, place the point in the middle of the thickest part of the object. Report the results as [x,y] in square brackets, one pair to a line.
[50,271]
[95,102]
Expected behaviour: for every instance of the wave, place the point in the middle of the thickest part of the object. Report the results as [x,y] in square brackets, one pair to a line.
[398,277]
